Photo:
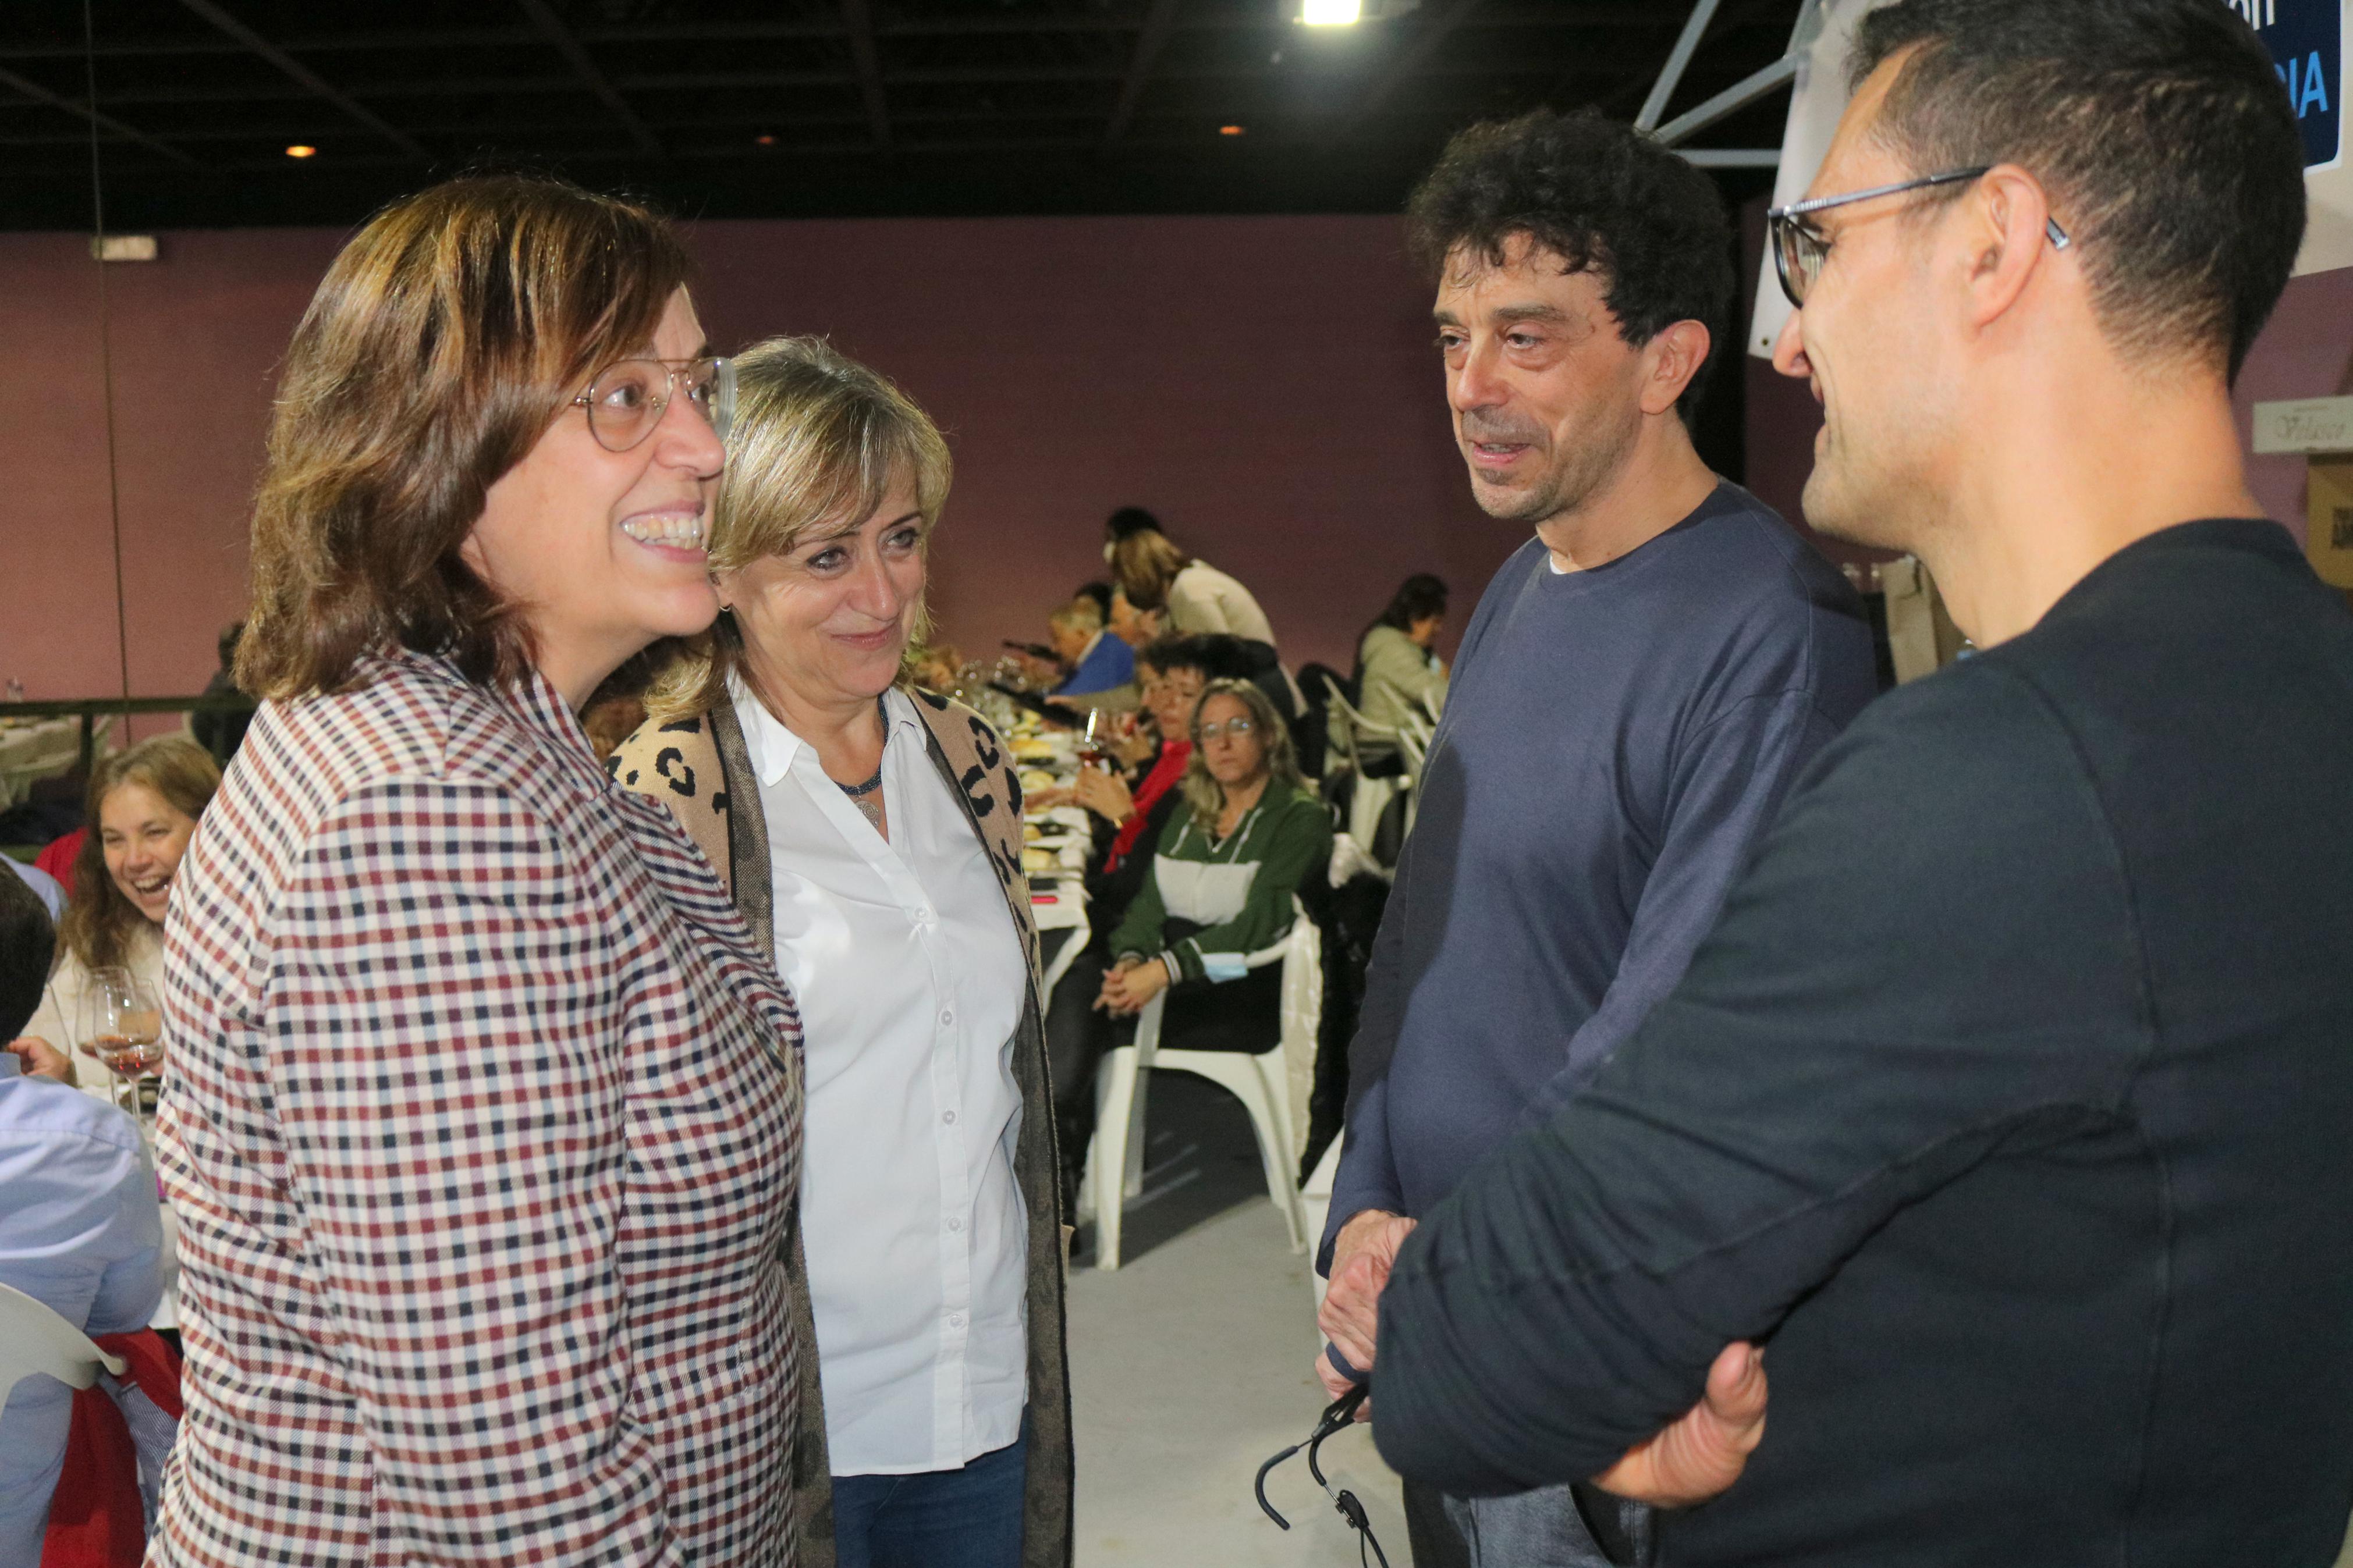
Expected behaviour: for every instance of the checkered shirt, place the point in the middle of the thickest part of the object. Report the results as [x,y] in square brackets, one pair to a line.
[483,1126]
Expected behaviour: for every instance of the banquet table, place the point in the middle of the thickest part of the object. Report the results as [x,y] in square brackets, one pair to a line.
[1055,841]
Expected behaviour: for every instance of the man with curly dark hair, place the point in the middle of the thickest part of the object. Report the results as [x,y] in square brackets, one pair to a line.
[1639,685]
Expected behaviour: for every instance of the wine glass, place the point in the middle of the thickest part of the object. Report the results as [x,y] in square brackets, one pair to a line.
[126,1032]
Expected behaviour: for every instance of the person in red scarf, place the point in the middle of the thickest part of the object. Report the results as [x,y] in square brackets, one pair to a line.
[1127,813]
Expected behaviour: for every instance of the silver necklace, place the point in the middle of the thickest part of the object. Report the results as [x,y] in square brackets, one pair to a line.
[867,797]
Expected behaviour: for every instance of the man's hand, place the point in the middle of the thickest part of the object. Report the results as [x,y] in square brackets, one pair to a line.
[1362,1255]
[1705,1452]
[42,1059]
[1336,1385]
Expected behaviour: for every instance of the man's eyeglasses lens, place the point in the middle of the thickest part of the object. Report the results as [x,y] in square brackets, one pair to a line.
[1797,255]
[629,398]
[1236,728]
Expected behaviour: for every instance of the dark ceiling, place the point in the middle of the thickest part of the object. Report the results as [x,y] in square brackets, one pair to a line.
[795,108]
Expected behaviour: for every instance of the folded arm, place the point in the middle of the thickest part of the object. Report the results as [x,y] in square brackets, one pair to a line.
[1878,1008]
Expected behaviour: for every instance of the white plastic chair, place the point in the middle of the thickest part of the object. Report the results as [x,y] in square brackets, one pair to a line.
[1371,797]
[1064,956]
[34,1340]
[1269,1084]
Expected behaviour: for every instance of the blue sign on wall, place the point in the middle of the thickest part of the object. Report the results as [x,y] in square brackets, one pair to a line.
[2307,41]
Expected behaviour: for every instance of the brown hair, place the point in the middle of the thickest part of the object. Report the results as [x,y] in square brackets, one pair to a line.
[99,919]
[1144,564]
[443,342]
[819,441]
[1203,793]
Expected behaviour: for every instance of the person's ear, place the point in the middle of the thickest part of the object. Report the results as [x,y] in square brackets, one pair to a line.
[1669,360]
[2002,237]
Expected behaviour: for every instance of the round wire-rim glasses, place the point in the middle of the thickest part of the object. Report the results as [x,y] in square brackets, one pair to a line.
[630,397]
[1799,250]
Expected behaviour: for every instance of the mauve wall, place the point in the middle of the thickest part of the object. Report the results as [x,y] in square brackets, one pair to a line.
[1266,384]
[2306,351]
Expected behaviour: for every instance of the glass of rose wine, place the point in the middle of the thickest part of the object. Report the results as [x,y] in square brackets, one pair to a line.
[1090,747]
[126,1032]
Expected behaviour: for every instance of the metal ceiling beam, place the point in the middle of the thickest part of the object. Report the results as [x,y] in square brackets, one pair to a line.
[1686,44]
[1158,23]
[294,67]
[1731,100]
[1415,56]
[1732,157]
[559,38]
[859,18]
[84,112]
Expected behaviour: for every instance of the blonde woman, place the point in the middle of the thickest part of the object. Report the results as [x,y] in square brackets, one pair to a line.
[871,833]
[1197,600]
[144,807]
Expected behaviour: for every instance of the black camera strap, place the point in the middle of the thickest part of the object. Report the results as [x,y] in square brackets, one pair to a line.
[1336,1418]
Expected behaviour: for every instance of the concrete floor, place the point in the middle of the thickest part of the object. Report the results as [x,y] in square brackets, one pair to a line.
[1191,1364]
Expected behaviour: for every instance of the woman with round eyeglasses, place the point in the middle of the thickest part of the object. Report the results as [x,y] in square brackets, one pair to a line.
[1223,876]
[483,1117]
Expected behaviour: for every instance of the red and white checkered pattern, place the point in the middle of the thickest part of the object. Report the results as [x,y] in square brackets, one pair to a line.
[483,1126]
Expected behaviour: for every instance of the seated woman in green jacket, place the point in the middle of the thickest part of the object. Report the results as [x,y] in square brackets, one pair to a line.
[1222,878]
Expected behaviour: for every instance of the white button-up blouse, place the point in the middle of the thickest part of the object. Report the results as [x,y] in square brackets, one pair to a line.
[910,979]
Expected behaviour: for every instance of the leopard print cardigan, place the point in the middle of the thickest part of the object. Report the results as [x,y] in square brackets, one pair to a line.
[697,767]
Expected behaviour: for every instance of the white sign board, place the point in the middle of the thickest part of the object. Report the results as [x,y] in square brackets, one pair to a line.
[2305,424]
[1825,33]
[2300,29]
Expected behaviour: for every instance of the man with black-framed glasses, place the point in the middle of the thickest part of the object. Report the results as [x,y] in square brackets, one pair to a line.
[2007,1105]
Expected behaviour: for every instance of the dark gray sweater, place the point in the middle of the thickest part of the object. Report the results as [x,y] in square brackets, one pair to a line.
[1613,741]
[2013,1100]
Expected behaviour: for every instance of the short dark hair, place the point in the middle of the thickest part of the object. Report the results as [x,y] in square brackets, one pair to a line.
[1130,519]
[2160,129]
[1418,598]
[1604,197]
[28,942]
[1174,652]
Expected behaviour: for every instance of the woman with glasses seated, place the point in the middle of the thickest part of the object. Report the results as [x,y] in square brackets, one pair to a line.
[871,834]
[1223,875]
[1127,812]
[484,1107]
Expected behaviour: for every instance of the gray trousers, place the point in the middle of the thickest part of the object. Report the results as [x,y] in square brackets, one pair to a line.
[1544,1529]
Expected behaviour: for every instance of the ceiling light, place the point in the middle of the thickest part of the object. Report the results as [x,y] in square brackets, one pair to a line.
[1330,13]
[299,151]
[1231,129]
[764,139]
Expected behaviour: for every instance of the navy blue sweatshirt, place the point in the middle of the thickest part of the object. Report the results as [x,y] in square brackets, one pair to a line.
[2011,1101]
[1613,741]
